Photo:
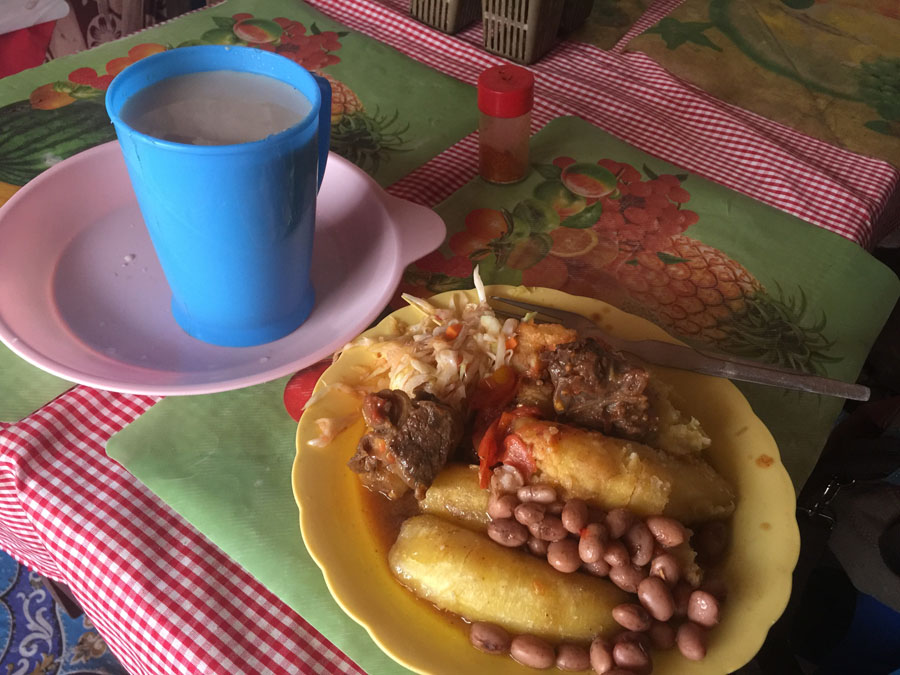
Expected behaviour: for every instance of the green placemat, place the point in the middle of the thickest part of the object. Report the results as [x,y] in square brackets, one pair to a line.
[829,69]
[391,113]
[24,388]
[223,461]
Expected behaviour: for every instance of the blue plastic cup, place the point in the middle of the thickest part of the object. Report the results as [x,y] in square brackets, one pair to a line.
[232,225]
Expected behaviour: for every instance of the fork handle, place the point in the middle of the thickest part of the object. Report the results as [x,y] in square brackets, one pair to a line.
[687,358]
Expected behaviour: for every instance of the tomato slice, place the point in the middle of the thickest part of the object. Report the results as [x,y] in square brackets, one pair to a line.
[517,453]
[488,454]
[493,445]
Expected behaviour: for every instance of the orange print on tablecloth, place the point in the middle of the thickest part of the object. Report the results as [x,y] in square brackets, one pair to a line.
[86,82]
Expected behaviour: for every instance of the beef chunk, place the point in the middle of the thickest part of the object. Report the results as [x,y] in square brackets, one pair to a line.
[408,442]
[598,388]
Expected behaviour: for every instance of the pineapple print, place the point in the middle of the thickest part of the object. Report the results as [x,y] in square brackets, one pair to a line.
[692,288]
[700,294]
[361,137]
[343,100]
[622,242]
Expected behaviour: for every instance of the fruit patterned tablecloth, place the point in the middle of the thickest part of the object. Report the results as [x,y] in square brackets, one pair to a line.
[829,68]
[167,598]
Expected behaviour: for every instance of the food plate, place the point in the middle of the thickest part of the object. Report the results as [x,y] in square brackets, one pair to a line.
[757,569]
[82,295]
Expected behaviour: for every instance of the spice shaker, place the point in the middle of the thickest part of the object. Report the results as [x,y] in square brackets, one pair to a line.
[505,99]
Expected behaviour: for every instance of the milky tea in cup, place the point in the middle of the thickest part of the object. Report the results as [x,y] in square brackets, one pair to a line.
[226,148]
[217,107]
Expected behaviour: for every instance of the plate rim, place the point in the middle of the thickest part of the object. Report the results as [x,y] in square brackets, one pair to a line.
[790,552]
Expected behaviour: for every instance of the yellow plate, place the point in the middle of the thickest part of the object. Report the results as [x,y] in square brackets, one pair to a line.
[764,549]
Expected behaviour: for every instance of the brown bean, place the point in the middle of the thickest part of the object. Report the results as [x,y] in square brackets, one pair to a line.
[529,513]
[667,531]
[549,529]
[639,542]
[627,577]
[662,635]
[601,530]
[598,569]
[538,546]
[634,636]
[575,516]
[631,616]
[542,494]
[703,609]
[619,521]
[502,506]
[691,641]
[710,542]
[563,555]
[616,554]
[507,532]
[633,656]
[489,638]
[590,544]
[572,657]
[681,593]
[601,656]
[556,508]
[532,651]
[666,567]
[596,514]
[656,597]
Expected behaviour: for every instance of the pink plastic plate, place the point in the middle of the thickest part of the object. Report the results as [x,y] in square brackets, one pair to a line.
[82,295]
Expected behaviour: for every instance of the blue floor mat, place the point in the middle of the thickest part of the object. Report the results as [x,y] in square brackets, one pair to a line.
[37,636]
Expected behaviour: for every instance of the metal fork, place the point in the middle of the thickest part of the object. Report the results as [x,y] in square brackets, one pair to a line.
[696,360]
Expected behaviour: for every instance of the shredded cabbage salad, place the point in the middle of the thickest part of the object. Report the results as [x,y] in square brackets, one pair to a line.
[447,352]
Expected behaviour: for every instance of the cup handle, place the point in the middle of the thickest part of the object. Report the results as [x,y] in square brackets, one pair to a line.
[324,124]
[420,229]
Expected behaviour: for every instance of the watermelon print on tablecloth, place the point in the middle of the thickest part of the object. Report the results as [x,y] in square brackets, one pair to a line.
[389,114]
[73,111]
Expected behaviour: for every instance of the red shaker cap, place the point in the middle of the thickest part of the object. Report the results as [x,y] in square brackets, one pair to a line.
[505,91]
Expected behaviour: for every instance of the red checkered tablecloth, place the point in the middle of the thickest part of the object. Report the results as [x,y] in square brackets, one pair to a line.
[165,598]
